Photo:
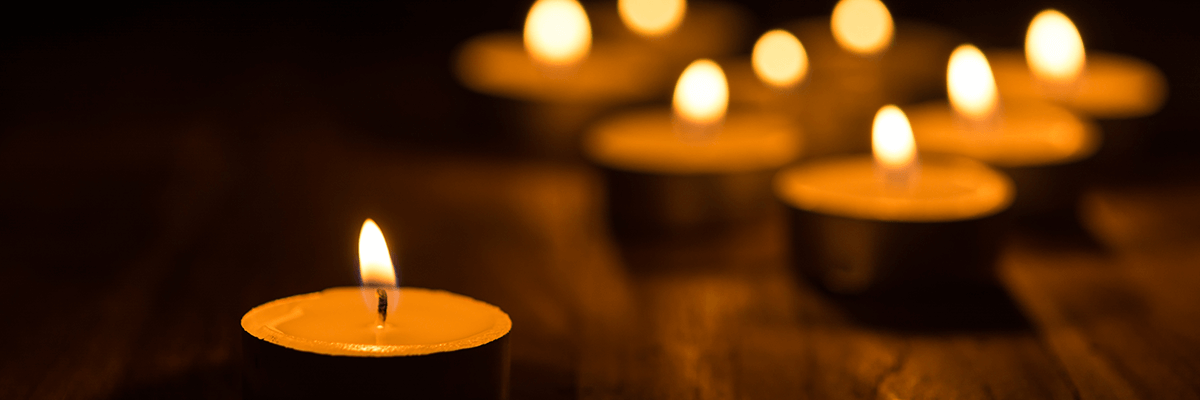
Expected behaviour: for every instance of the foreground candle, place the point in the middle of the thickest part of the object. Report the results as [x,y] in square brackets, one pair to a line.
[1038,144]
[696,169]
[376,341]
[894,224]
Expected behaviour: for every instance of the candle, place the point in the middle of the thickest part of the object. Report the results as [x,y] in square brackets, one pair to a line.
[1118,90]
[696,169]
[1040,145]
[773,76]
[678,31]
[860,59]
[553,76]
[376,341]
[894,224]
[1055,66]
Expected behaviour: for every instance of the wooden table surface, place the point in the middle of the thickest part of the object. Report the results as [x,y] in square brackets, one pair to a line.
[143,214]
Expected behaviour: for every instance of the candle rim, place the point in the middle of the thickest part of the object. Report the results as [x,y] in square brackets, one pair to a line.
[253,324]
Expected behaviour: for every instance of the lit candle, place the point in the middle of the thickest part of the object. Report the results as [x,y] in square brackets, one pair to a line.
[894,223]
[862,59]
[376,341]
[677,31]
[1055,66]
[1038,144]
[694,169]
[555,74]
[773,77]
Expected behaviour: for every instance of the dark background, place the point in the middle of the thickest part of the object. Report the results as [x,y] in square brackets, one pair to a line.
[166,166]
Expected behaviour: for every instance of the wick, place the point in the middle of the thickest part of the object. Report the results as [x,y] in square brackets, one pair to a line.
[381,294]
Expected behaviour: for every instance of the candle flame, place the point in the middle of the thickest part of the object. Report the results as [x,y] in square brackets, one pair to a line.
[557,33]
[374,261]
[652,18]
[779,59]
[862,26]
[702,94]
[892,139]
[1054,48]
[971,86]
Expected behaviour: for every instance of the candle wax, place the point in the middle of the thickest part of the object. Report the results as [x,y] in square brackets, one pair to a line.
[948,188]
[646,141]
[337,321]
[1112,86]
[1025,133]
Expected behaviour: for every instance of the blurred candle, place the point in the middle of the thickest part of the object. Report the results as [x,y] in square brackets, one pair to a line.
[555,75]
[695,169]
[894,222]
[675,31]
[1055,66]
[376,341]
[1037,143]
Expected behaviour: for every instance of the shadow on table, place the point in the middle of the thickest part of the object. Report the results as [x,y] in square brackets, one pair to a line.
[977,308]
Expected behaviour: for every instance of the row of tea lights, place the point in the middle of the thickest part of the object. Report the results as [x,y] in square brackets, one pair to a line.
[895,220]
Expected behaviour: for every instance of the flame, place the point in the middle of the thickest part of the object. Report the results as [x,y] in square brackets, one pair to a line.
[652,18]
[557,32]
[374,261]
[970,83]
[702,94]
[779,59]
[1054,49]
[892,139]
[862,26]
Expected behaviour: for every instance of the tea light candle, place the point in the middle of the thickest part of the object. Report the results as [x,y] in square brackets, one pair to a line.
[678,31]
[1039,145]
[860,60]
[1055,67]
[376,341]
[553,76]
[892,224]
[692,170]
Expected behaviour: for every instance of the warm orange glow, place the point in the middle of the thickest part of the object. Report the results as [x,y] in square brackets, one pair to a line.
[892,139]
[374,261]
[779,59]
[702,93]
[970,83]
[557,32]
[1054,49]
[862,26]
[652,17]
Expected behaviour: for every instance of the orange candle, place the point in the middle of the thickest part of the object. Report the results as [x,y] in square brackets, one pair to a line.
[1056,67]
[558,75]
[376,341]
[1037,143]
[894,222]
[695,168]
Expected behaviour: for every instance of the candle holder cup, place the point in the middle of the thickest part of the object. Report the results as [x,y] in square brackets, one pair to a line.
[851,256]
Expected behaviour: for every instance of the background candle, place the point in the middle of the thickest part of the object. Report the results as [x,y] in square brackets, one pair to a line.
[663,181]
[1040,145]
[860,227]
[704,29]
[1118,90]
[547,103]
[346,342]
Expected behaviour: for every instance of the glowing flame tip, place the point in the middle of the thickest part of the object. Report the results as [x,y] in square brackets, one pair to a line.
[374,260]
